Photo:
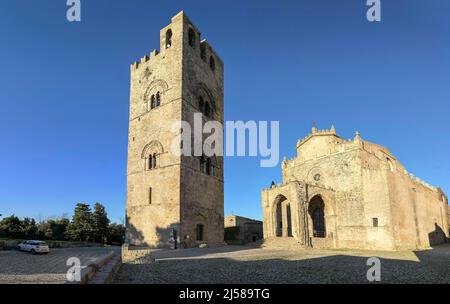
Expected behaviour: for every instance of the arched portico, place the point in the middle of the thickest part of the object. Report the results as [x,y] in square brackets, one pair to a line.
[282,217]
[316,213]
[321,219]
[284,212]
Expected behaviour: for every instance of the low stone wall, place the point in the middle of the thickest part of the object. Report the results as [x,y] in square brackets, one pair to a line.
[136,255]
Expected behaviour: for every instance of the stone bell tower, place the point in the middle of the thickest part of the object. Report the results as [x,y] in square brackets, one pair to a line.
[174,201]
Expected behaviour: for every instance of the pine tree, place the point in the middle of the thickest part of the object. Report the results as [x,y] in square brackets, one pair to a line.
[81,226]
[10,227]
[116,233]
[100,223]
[29,228]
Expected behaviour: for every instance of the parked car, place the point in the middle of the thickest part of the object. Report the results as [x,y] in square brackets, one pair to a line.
[34,247]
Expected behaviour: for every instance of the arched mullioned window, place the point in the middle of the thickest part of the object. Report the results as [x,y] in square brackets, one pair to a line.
[155,100]
[204,106]
[151,154]
[191,37]
[207,165]
[152,161]
[168,38]
[212,63]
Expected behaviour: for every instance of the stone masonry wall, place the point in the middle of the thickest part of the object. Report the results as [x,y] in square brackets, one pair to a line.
[370,200]
[167,202]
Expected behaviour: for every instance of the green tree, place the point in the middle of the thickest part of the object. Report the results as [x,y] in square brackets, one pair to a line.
[28,228]
[56,229]
[116,233]
[100,223]
[11,227]
[80,229]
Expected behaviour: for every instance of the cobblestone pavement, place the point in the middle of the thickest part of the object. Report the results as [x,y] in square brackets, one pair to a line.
[24,268]
[244,265]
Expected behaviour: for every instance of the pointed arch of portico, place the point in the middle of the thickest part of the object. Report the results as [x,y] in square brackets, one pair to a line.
[290,196]
[318,197]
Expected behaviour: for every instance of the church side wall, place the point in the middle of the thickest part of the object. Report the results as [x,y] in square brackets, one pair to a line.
[407,210]
[377,217]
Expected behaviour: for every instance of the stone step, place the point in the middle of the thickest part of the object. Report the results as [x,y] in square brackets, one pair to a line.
[280,242]
[106,273]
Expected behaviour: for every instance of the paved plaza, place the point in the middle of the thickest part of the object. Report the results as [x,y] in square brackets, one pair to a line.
[24,268]
[238,264]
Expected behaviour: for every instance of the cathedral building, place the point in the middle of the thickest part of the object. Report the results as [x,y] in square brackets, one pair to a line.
[339,193]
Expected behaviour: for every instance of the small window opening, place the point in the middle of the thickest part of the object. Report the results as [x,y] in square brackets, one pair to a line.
[203,52]
[212,63]
[191,37]
[375,222]
[200,232]
[150,195]
[168,38]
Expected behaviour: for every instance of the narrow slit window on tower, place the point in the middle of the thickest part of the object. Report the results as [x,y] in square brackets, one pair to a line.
[191,37]
[150,195]
[168,38]
[212,63]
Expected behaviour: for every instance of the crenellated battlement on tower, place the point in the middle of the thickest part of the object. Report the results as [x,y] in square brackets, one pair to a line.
[144,59]
[181,34]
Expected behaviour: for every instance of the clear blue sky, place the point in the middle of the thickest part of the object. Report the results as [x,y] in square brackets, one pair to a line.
[64,89]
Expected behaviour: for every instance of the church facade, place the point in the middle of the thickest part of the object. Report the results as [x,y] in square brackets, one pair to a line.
[353,194]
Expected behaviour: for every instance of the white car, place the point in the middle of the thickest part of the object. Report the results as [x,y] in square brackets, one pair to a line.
[34,247]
